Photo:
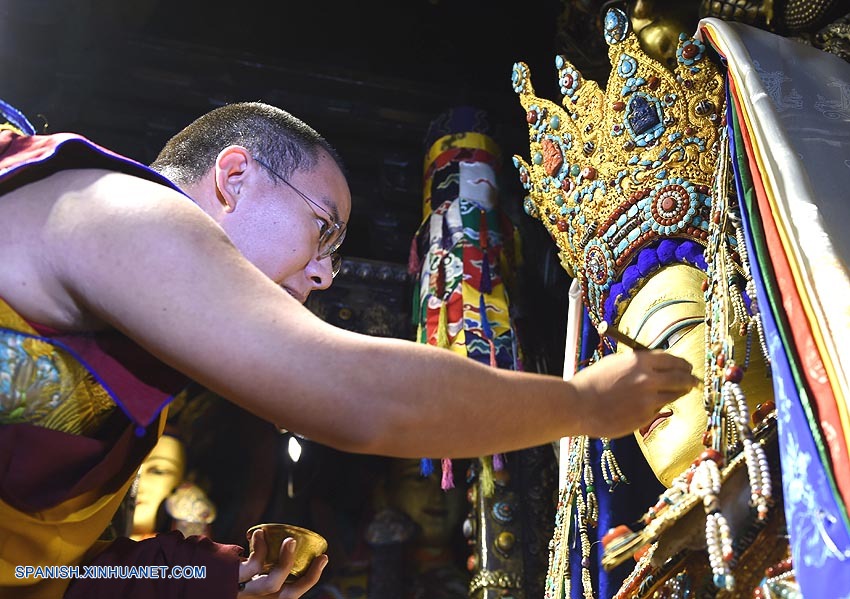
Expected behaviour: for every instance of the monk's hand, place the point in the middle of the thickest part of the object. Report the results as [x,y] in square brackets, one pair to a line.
[253,583]
[622,392]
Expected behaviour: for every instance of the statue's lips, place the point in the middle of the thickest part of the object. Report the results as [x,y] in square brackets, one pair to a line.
[659,418]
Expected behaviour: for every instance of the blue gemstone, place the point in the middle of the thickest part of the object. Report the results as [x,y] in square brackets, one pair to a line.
[642,115]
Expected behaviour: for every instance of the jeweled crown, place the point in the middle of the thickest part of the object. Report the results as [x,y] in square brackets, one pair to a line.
[617,171]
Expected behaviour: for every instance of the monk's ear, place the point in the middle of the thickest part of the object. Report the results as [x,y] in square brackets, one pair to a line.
[231,167]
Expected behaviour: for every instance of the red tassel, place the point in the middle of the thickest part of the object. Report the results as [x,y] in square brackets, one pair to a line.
[413,263]
[440,291]
[493,363]
[482,232]
[448,481]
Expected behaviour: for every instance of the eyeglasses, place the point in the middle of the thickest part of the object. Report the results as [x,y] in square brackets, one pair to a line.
[336,264]
[331,232]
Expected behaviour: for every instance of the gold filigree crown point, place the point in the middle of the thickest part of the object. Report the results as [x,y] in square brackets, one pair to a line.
[616,171]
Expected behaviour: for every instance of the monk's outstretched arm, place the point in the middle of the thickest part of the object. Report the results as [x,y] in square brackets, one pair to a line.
[149,262]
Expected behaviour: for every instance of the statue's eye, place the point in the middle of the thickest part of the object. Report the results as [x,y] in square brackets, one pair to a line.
[670,336]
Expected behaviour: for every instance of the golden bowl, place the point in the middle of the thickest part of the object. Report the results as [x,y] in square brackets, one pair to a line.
[308,545]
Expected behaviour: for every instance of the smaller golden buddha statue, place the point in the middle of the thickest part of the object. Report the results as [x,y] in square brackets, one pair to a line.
[164,500]
[415,515]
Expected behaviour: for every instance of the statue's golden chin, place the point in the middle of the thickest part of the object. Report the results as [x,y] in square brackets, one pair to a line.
[674,295]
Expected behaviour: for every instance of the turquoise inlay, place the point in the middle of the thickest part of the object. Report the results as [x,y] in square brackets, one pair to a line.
[669,99]
[519,76]
[620,176]
[632,83]
[627,66]
[697,141]
[597,184]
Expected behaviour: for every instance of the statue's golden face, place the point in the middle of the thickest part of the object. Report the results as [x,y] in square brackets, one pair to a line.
[669,312]
[159,475]
[437,512]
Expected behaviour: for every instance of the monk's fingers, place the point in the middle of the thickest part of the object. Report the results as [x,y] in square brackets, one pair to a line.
[662,361]
[254,564]
[306,581]
[677,382]
[273,581]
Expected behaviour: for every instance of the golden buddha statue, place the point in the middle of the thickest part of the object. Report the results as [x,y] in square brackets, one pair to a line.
[437,513]
[430,560]
[159,475]
[633,184]
[164,500]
